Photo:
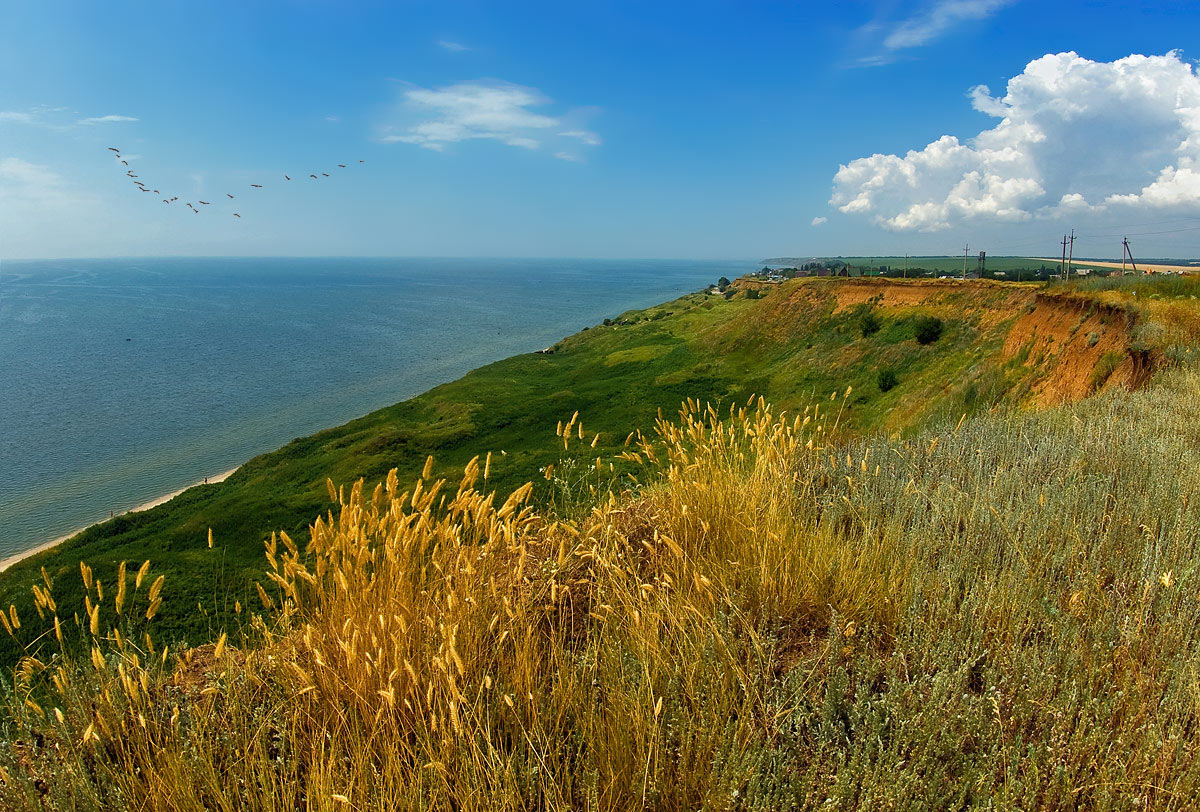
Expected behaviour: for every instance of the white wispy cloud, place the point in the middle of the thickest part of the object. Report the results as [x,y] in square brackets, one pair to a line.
[1075,137]
[589,138]
[23,172]
[452,46]
[889,38]
[53,118]
[481,109]
[819,221]
[29,191]
[938,19]
[110,119]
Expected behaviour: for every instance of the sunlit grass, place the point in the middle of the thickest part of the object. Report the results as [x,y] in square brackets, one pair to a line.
[997,613]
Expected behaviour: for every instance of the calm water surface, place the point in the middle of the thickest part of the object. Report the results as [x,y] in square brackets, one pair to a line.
[122,380]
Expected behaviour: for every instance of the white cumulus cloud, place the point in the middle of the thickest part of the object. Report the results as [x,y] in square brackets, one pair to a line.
[819,221]
[480,109]
[1074,136]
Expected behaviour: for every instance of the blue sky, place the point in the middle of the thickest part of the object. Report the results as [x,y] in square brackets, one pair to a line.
[700,129]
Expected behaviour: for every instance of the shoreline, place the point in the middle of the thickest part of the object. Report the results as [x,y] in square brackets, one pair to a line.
[153,503]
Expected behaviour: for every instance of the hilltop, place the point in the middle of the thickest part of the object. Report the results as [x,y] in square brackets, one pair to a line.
[954,566]
[996,343]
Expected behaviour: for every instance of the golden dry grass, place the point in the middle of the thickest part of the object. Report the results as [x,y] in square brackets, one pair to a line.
[998,614]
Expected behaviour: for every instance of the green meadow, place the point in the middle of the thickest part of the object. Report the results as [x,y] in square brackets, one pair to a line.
[786,347]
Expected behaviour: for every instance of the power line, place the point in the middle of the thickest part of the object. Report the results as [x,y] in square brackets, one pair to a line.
[1139,233]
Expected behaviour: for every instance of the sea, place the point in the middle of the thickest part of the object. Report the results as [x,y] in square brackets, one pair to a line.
[122,380]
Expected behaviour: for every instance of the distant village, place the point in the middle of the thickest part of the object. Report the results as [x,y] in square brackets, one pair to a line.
[977,270]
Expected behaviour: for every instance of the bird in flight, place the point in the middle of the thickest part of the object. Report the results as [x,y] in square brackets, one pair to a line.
[144,188]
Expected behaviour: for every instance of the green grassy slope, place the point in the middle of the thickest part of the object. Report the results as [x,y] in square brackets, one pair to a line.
[791,345]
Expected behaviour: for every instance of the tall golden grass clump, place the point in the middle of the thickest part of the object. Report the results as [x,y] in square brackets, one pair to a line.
[432,646]
[1000,613]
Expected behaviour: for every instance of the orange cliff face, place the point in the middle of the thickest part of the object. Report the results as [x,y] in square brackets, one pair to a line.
[1065,344]
[1066,338]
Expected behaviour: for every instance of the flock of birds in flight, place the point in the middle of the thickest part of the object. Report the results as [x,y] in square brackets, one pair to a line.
[168,200]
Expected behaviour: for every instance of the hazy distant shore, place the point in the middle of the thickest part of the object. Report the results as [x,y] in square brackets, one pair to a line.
[18,557]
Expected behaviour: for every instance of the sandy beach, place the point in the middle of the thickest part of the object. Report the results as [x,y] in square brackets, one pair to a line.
[212,480]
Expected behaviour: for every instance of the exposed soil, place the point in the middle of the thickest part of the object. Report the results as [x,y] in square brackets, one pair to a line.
[1070,345]
[895,292]
[1065,338]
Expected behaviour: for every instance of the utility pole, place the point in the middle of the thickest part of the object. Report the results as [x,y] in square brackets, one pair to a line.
[1062,268]
[906,266]
[1071,255]
[966,248]
[1127,251]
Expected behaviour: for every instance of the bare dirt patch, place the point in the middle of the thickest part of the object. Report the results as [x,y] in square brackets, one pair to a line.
[1067,338]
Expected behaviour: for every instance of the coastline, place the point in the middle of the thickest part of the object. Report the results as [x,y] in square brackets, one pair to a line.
[153,503]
